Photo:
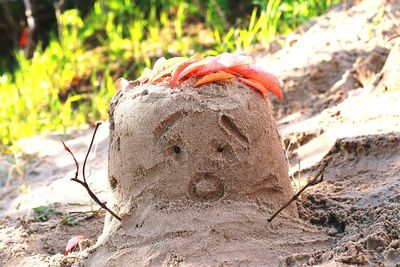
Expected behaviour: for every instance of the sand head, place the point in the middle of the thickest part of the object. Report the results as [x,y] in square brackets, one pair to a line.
[204,144]
[187,159]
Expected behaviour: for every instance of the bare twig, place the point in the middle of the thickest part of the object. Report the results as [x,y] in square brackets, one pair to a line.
[84,183]
[87,154]
[318,178]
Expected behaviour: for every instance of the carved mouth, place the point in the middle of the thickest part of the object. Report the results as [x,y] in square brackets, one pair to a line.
[206,186]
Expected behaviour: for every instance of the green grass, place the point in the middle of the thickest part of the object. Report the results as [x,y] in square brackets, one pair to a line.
[71,82]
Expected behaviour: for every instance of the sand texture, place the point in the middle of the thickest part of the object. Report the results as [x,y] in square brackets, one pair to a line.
[340,76]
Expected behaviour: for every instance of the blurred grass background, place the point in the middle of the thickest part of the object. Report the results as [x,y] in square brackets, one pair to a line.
[70,82]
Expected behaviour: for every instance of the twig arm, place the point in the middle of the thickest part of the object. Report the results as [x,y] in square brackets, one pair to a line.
[84,183]
[73,156]
[318,178]
[90,147]
[96,199]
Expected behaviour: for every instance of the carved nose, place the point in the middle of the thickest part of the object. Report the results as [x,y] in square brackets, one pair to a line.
[206,186]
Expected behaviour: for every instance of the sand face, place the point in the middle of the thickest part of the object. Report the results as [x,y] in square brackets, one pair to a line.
[183,152]
[195,145]
[200,145]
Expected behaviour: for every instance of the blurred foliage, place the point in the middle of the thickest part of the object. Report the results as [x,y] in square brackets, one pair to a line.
[44,213]
[71,82]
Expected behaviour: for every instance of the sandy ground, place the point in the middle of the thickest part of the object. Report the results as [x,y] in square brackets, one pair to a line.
[341,107]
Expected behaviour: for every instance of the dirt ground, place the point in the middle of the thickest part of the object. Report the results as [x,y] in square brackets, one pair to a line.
[341,86]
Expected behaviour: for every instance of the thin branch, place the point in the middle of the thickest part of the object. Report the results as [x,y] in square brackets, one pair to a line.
[318,178]
[84,183]
[73,156]
[90,147]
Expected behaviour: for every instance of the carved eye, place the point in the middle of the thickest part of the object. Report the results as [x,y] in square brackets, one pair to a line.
[220,149]
[177,150]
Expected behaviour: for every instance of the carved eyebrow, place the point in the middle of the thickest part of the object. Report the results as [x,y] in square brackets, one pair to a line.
[168,123]
[232,129]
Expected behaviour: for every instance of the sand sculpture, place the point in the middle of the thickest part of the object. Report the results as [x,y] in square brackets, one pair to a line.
[182,163]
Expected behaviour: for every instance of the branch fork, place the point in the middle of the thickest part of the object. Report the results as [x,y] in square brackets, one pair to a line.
[83,182]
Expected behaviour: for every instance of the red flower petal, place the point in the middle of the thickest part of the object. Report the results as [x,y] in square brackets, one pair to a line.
[267,79]
[230,60]
[176,73]
[193,67]
[158,65]
[256,85]
[210,68]
[145,75]
[166,67]
[72,243]
[222,62]
[120,84]
[214,77]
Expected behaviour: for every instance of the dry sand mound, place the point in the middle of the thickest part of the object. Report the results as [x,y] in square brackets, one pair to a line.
[194,173]
[341,106]
[360,201]
[340,52]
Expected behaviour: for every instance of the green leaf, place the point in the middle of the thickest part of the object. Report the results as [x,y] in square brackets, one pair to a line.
[70,220]
[43,213]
